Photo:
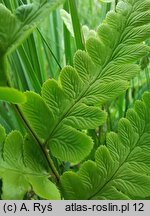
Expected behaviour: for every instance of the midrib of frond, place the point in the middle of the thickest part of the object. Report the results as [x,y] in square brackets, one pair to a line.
[86,88]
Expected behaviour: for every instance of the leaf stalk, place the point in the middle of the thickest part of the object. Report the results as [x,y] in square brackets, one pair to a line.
[5,81]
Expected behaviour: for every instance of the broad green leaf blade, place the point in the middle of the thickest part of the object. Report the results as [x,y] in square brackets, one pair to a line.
[122,166]
[69,144]
[15,186]
[84,66]
[54,97]
[102,92]
[38,115]
[126,133]
[31,14]
[24,11]
[8,26]
[80,118]
[86,117]
[37,163]
[11,167]
[135,120]
[130,53]
[71,82]
[20,171]
[68,180]
[126,71]
[12,95]
[143,32]
[44,188]
[98,75]
[97,51]
[41,185]
[12,148]
[16,27]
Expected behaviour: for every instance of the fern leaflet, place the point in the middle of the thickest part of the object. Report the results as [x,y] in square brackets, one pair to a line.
[20,171]
[121,167]
[99,74]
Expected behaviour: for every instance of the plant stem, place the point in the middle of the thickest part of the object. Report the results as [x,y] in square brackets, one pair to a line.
[6,81]
[43,149]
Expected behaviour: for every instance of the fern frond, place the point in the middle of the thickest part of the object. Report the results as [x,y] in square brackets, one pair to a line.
[20,171]
[99,74]
[15,27]
[121,168]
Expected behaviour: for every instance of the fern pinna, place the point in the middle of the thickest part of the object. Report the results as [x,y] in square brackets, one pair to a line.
[121,167]
[58,118]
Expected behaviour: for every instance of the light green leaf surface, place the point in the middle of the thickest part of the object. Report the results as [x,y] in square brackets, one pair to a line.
[121,168]
[71,82]
[66,17]
[69,144]
[99,74]
[14,28]
[85,117]
[12,95]
[20,171]
[39,116]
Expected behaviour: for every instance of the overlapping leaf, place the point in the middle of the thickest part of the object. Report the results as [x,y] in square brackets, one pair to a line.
[12,95]
[20,171]
[15,27]
[99,74]
[121,168]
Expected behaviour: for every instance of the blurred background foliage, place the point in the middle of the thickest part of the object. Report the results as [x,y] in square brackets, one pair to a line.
[53,45]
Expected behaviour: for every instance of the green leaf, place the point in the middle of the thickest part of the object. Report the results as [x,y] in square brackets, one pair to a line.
[24,11]
[102,92]
[8,26]
[97,51]
[84,66]
[16,188]
[85,117]
[12,95]
[66,17]
[34,108]
[54,97]
[44,188]
[68,144]
[71,82]
[121,168]
[130,53]
[14,28]
[20,171]
[98,75]
[77,191]
[127,71]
